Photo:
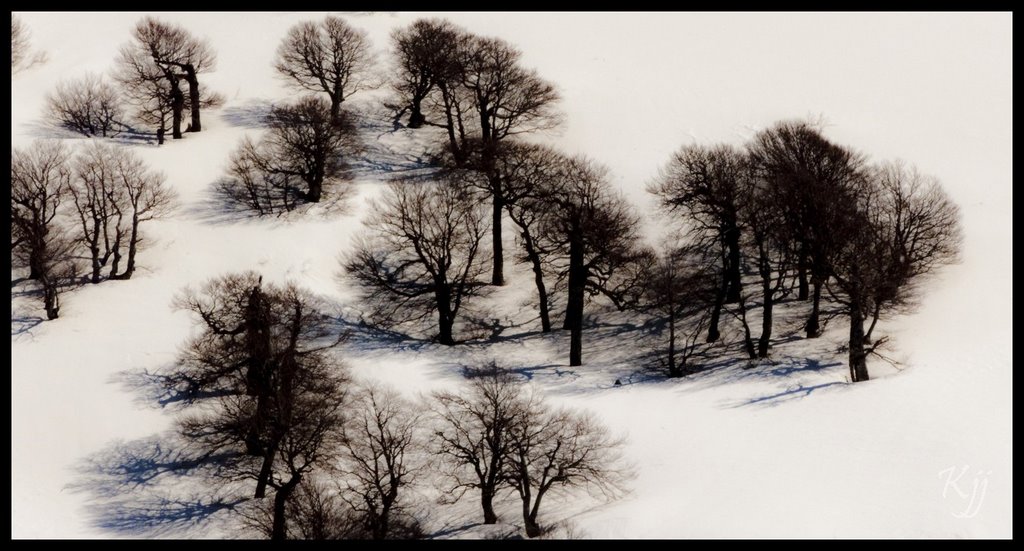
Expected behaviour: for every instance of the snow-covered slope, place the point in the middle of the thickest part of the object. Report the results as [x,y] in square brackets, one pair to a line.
[786,449]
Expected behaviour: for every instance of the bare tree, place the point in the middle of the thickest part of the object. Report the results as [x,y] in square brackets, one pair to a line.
[145,197]
[382,449]
[98,199]
[19,41]
[305,147]
[474,433]
[422,255]
[683,287]
[807,173]
[899,227]
[425,55]
[327,56]
[507,100]
[277,396]
[88,105]
[594,232]
[559,449]
[40,182]
[702,183]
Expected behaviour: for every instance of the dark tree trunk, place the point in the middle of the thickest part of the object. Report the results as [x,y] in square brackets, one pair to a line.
[160,135]
[858,356]
[280,529]
[177,107]
[51,301]
[487,502]
[766,318]
[193,97]
[416,118]
[445,320]
[35,262]
[449,116]
[716,314]
[538,278]
[133,246]
[733,275]
[673,371]
[530,523]
[574,304]
[498,206]
[266,470]
[812,326]
[801,275]
[336,107]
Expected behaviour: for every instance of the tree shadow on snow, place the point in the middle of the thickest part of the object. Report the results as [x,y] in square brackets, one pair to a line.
[252,114]
[145,487]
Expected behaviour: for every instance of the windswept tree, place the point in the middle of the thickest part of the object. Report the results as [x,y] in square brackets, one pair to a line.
[303,152]
[474,433]
[552,450]
[702,184]
[807,174]
[88,105]
[327,56]
[899,226]
[40,183]
[421,256]
[507,100]
[595,233]
[383,449]
[425,53]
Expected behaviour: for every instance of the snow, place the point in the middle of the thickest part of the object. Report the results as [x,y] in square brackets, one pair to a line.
[783,450]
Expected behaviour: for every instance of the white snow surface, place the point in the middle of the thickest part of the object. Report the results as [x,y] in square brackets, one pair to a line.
[786,449]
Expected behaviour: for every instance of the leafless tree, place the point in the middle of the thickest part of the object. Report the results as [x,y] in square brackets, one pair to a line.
[421,256]
[303,151]
[593,233]
[702,184]
[383,449]
[474,433]
[88,105]
[99,202]
[40,182]
[559,449]
[145,197]
[807,173]
[327,56]
[899,227]
[277,396]
[507,100]
[683,287]
[425,52]
[19,41]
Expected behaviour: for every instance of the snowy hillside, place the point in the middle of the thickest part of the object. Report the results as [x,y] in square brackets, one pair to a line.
[786,449]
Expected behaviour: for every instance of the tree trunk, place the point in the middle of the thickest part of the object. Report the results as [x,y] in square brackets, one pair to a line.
[532,528]
[733,275]
[193,96]
[801,275]
[538,278]
[280,529]
[34,262]
[177,106]
[716,314]
[487,502]
[266,469]
[445,320]
[574,304]
[51,302]
[858,357]
[498,274]
[673,371]
[335,107]
[133,245]
[811,327]
[160,135]
[766,317]
[416,118]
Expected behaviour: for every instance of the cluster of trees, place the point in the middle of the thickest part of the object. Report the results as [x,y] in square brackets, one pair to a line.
[87,207]
[155,83]
[798,211]
[269,402]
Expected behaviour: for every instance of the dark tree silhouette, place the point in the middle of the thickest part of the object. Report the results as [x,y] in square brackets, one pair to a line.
[425,55]
[593,234]
[421,255]
[559,449]
[383,446]
[899,227]
[142,196]
[474,433]
[702,183]
[99,201]
[327,56]
[88,105]
[302,153]
[40,182]
[507,100]
[807,174]
[682,287]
